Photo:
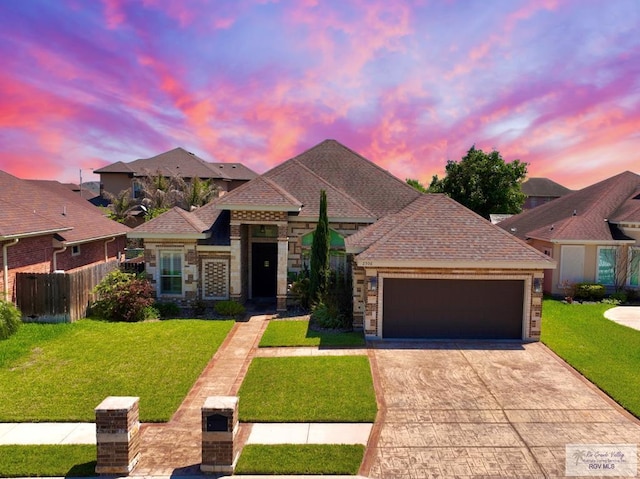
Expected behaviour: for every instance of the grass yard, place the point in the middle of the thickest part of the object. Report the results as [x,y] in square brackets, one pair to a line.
[47,461]
[606,353]
[308,389]
[300,459]
[61,372]
[297,333]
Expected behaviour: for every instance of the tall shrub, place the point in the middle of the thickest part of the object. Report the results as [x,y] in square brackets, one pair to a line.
[319,267]
[10,319]
[123,297]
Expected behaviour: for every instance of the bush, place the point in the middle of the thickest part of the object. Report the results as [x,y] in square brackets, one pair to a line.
[10,319]
[229,309]
[620,297]
[300,290]
[123,297]
[589,292]
[167,310]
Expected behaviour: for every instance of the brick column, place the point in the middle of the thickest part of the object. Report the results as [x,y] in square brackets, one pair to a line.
[117,435]
[219,429]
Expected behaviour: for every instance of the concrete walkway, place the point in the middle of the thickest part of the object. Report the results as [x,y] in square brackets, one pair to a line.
[625,315]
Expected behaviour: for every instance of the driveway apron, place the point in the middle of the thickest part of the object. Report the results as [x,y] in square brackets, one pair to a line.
[484,410]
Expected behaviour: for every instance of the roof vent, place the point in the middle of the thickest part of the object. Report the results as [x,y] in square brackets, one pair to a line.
[552,226]
[575,212]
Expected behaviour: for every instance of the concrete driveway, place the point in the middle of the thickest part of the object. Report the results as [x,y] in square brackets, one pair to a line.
[484,410]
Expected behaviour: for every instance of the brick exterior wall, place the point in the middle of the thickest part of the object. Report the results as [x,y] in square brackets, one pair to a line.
[240,216]
[370,300]
[215,277]
[35,255]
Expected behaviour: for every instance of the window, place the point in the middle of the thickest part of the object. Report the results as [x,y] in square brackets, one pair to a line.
[136,190]
[171,272]
[606,265]
[634,267]
[75,250]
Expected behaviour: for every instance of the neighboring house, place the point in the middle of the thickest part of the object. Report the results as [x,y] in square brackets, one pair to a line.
[121,176]
[592,233]
[540,191]
[401,247]
[46,227]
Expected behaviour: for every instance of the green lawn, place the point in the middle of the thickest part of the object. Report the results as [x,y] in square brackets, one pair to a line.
[606,353]
[47,461]
[61,372]
[300,459]
[308,389]
[297,333]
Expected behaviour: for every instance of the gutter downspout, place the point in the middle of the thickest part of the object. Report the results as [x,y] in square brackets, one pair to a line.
[106,253]
[55,257]
[5,263]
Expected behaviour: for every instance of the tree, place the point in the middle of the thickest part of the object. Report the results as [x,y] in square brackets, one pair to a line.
[319,263]
[483,182]
[416,185]
[196,193]
[122,205]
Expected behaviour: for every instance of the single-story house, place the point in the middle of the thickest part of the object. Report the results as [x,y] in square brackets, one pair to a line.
[402,248]
[592,233]
[120,176]
[46,227]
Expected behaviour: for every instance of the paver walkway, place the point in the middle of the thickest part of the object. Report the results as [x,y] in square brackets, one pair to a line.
[174,448]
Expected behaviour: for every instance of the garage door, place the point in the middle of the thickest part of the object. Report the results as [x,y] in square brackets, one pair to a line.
[456,309]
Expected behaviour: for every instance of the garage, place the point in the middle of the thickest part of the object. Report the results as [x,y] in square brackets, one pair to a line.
[452,308]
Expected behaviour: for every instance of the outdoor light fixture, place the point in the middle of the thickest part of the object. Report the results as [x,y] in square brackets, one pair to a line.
[373,283]
[537,285]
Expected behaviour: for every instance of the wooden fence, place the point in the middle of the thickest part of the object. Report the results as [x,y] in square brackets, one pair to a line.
[59,297]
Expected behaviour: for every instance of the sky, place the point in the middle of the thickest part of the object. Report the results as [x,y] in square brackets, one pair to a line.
[407,84]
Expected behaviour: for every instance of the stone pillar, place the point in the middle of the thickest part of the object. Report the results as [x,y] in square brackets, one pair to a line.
[283,261]
[117,435]
[235,266]
[219,430]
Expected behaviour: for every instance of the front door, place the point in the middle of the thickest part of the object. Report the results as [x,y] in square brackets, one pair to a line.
[264,269]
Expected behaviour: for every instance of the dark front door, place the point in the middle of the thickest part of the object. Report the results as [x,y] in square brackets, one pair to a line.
[264,269]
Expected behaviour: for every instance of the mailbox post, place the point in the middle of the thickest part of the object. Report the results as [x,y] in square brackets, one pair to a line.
[219,430]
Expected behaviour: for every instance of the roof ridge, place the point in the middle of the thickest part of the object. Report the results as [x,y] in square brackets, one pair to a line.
[374,164]
[397,227]
[192,219]
[333,187]
[280,190]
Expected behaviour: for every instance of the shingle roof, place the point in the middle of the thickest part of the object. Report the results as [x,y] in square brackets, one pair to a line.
[356,188]
[418,235]
[260,193]
[582,215]
[174,223]
[181,162]
[543,187]
[31,207]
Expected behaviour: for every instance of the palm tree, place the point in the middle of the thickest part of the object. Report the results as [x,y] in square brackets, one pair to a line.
[122,205]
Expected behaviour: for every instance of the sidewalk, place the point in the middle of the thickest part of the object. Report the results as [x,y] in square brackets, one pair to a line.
[626,315]
[259,433]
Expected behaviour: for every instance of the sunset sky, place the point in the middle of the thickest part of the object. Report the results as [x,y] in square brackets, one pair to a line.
[407,84]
